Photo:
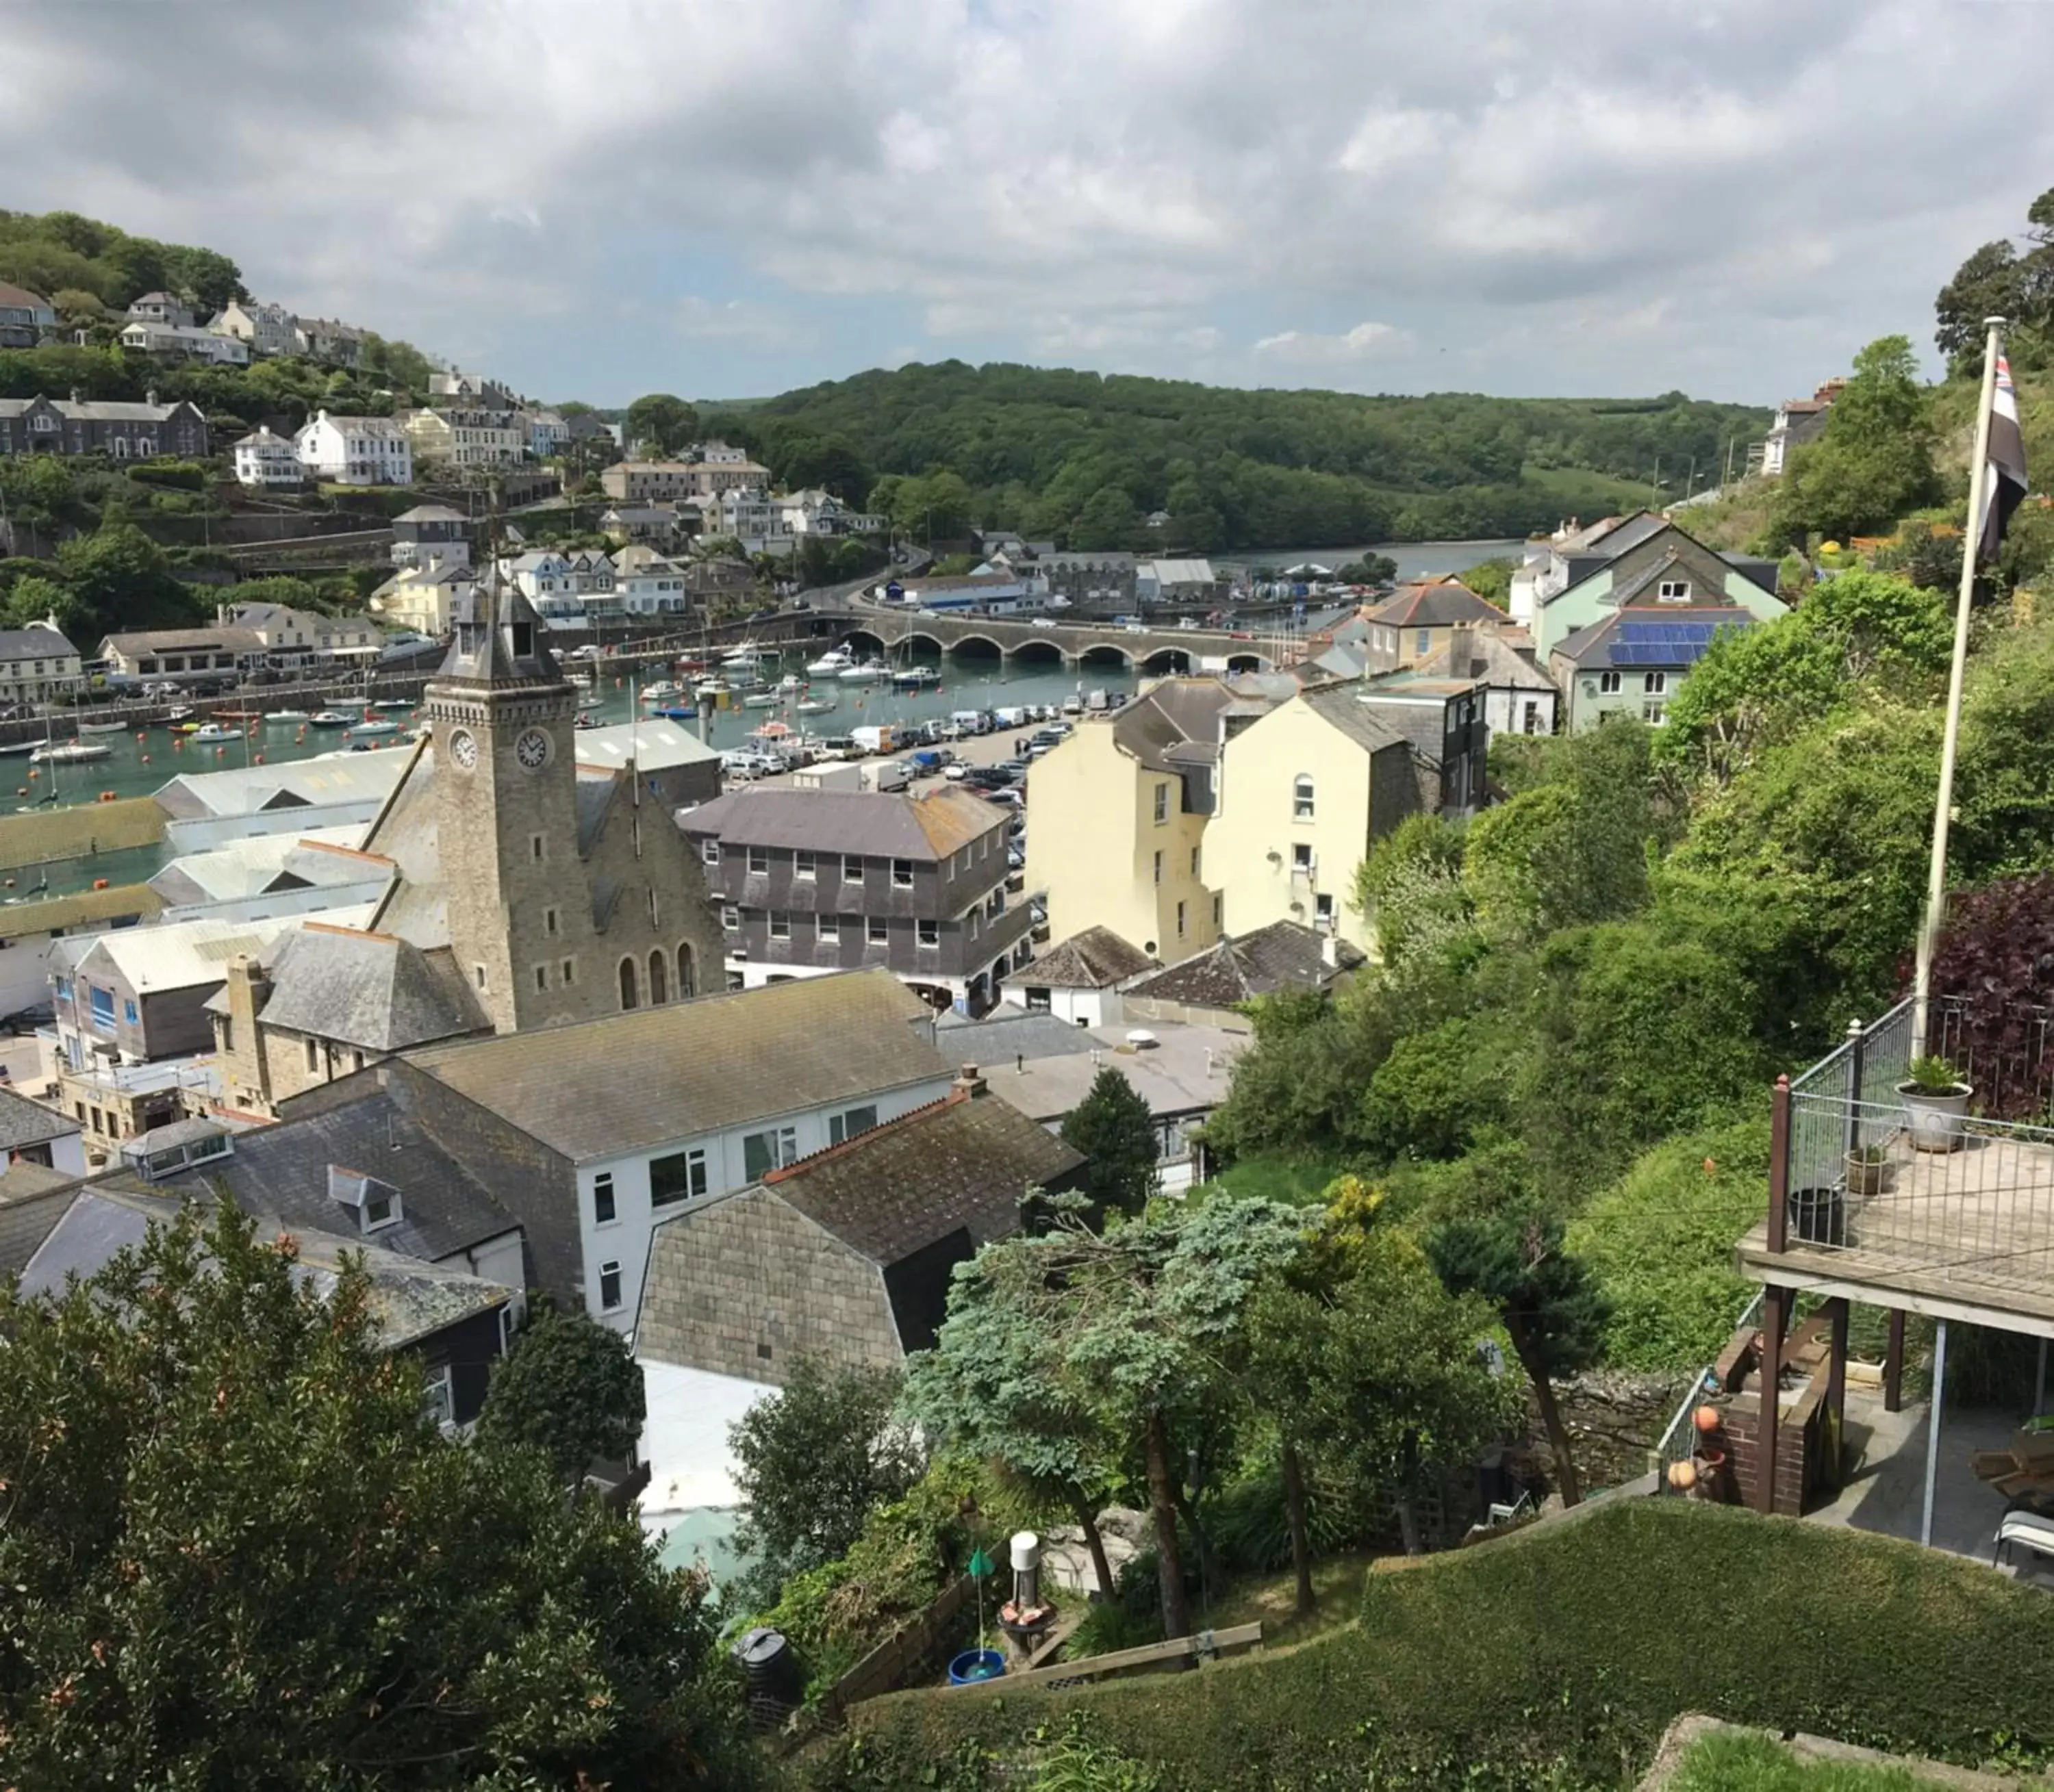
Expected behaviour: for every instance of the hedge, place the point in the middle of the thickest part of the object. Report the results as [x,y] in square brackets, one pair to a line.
[1554,1657]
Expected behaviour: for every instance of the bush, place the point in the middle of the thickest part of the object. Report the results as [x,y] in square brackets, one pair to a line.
[1553,1657]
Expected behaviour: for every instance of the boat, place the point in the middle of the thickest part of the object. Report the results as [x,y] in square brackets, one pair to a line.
[589,703]
[715,694]
[70,752]
[103,728]
[663,691]
[364,730]
[398,702]
[791,681]
[833,663]
[330,718]
[761,700]
[815,705]
[287,715]
[677,712]
[181,712]
[917,678]
[13,747]
[238,715]
[870,672]
[747,658]
[214,734]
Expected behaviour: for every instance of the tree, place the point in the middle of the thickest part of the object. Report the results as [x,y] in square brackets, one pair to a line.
[1507,1249]
[1410,888]
[812,1460]
[1491,581]
[1874,462]
[570,1387]
[119,579]
[1997,280]
[237,1553]
[669,422]
[1114,1129]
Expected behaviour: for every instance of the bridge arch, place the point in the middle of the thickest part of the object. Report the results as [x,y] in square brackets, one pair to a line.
[1038,651]
[864,641]
[1167,660]
[1104,653]
[977,646]
[1247,662]
[917,639]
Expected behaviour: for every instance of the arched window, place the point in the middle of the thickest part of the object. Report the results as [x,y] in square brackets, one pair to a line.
[627,985]
[688,982]
[658,992]
[1301,797]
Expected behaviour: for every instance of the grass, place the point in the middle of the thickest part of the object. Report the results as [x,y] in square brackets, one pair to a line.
[1272,1176]
[1756,1764]
[1271,1601]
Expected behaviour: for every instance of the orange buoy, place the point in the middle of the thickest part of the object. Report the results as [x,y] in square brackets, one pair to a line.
[219,751]
[1707,1419]
[142,737]
[99,883]
[260,759]
[146,759]
[107,796]
[34,773]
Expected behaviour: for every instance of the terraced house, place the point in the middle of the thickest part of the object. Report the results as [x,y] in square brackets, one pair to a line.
[117,427]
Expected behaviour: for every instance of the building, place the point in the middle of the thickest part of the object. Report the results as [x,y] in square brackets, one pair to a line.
[183,656]
[470,388]
[761,524]
[1120,810]
[272,874]
[843,1256]
[185,343]
[26,318]
[33,932]
[33,1133]
[811,881]
[1633,660]
[549,433]
[299,640]
[674,767]
[1519,698]
[1171,582]
[420,598]
[1442,719]
[115,427]
[1643,558]
[983,594]
[325,339]
[818,512]
[166,309]
[430,535]
[1104,579]
[37,665]
[1078,980]
[1213,988]
[268,462]
[651,481]
[658,525]
[541,576]
[648,584]
[1304,792]
[467,438]
[1418,621]
[266,329]
[1797,420]
[356,451]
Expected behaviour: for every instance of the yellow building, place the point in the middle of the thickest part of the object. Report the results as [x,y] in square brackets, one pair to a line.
[1120,814]
[1302,792]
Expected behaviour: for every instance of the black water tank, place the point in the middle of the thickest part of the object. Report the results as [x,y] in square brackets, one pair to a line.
[771,1670]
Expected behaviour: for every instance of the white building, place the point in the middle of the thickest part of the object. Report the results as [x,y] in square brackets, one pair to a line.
[268,329]
[818,512]
[264,460]
[649,584]
[754,518]
[467,438]
[356,451]
[183,342]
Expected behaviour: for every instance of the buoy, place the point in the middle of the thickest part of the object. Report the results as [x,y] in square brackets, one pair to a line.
[146,759]
[99,883]
[1707,1419]
[10,883]
[1682,1476]
[142,737]
[219,751]
[33,774]
[260,759]
[107,796]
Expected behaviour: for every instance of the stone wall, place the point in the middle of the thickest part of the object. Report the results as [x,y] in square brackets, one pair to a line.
[1614,1420]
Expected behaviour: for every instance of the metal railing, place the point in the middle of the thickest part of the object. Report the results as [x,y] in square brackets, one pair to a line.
[1680,1440]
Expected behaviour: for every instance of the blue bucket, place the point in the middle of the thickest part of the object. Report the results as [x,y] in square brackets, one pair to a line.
[976,1665]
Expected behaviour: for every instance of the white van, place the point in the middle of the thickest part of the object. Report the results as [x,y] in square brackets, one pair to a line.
[892,775]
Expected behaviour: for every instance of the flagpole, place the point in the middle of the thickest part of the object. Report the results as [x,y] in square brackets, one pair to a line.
[1936,888]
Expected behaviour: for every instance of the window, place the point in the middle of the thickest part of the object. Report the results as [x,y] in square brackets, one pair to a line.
[477,971]
[802,865]
[628,999]
[731,917]
[535,847]
[438,1399]
[1301,797]
[381,1208]
[1162,803]
[570,972]
[878,932]
[542,976]
[828,929]
[224,1027]
[1654,714]
[129,1010]
[1673,591]
[1323,910]
[1654,683]
[1194,861]
[759,862]
[609,1288]
[901,874]
[976,920]
[1423,640]
[1219,903]
[1180,921]
[688,979]
[313,1048]
[1301,857]
[1531,723]
[842,1127]
[550,922]
[658,978]
[680,1176]
[769,1149]
[101,1001]
[1158,868]
[1608,682]
[780,924]
[930,933]
[851,868]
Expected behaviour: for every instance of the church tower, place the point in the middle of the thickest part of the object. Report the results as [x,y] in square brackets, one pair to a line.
[506,818]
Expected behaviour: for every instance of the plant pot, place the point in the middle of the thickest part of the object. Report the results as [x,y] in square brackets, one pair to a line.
[974,1666]
[1817,1216]
[1936,1122]
[1864,1176]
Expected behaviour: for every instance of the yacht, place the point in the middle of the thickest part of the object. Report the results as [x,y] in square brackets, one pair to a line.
[214,734]
[663,691]
[747,658]
[70,752]
[815,705]
[330,718]
[364,730]
[870,672]
[761,700]
[833,663]
[917,678]
[103,728]
[287,715]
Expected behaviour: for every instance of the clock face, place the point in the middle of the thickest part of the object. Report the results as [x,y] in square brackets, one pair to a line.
[463,749]
[533,750]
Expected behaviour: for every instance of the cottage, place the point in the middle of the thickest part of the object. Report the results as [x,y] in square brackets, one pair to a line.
[356,451]
[268,462]
[116,427]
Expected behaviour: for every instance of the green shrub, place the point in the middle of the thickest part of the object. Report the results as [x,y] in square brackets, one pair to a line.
[1553,1657]
[191,476]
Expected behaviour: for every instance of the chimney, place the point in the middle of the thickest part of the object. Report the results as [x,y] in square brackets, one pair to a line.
[77,397]
[1461,650]
[1330,952]
[150,395]
[968,1083]
[248,989]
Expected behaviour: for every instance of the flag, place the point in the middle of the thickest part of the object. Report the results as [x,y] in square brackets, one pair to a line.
[2004,477]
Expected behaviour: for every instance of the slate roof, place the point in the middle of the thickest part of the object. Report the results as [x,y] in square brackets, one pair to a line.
[1435,604]
[19,298]
[66,914]
[35,643]
[1096,959]
[863,823]
[318,783]
[1284,954]
[1343,708]
[1495,660]
[1591,647]
[962,1162]
[625,1082]
[185,640]
[23,1122]
[1008,1034]
[30,1205]
[187,954]
[1176,712]
[430,513]
[368,990]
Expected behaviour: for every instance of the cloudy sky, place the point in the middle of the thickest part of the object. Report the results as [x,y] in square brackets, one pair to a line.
[596,197]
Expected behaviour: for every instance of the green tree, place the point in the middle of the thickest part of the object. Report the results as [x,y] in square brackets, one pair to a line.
[1507,1248]
[1410,888]
[1491,581]
[237,1553]
[570,1387]
[1874,462]
[119,579]
[657,417]
[811,1463]
[1999,281]
[1114,1129]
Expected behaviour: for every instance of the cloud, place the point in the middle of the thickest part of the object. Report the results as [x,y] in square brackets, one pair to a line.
[1579,198]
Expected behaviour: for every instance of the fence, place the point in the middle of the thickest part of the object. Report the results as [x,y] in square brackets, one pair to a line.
[1680,1440]
[899,1655]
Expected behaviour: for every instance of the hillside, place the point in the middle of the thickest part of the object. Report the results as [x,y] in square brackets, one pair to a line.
[1085,458]
[83,267]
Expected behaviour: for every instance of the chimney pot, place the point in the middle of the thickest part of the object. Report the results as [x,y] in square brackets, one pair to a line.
[969,1082]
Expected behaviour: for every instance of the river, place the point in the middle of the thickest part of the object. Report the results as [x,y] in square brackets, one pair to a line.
[1416,559]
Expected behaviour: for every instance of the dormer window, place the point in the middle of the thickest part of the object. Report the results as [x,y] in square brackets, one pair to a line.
[524,640]
[1673,591]
[377,1204]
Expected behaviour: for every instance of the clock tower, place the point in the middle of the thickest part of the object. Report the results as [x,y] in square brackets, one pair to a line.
[505,815]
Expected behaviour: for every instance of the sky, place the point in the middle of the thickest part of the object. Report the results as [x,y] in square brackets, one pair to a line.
[595,198]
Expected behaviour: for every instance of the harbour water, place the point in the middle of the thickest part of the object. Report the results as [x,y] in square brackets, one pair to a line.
[1416,559]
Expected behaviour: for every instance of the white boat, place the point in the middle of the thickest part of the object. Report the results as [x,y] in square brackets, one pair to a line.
[815,705]
[330,718]
[363,730]
[394,703]
[214,734]
[103,728]
[870,672]
[287,715]
[761,700]
[663,691]
[747,658]
[589,703]
[833,663]
[70,752]
[917,678]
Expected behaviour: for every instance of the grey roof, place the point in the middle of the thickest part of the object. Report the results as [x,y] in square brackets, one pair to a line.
[23,1122]
[627,1081]
[1492,660]
[115,410]
[870,823]
[1008,1034]
[34,643]
[1591,645]
[1284,954]
[1095,959]
[1344,706]
[185,640]
[91,1230]
[368,990]
[430,513]
[1176,712]
[1435,604]
[30,1205]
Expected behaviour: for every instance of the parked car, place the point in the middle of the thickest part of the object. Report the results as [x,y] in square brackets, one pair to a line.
[26,1021]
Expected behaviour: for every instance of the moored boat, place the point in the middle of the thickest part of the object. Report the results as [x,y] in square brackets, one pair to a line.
[214,734]
[364,730]
[70,752]
[330,718]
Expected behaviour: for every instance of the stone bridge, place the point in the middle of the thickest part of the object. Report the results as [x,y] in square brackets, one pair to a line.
[1028,639]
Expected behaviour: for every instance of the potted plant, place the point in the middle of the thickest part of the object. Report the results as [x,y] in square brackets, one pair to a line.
[1936,1105]
[1865,1165]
